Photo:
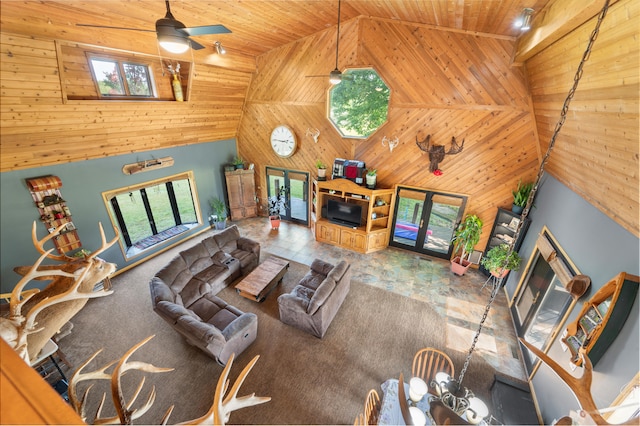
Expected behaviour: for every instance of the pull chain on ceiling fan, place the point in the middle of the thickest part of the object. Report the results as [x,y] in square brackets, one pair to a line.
[172,34]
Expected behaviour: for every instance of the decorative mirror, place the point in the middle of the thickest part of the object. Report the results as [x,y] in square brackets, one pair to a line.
[359,105]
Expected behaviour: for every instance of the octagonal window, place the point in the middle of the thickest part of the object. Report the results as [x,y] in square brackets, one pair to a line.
[358,106]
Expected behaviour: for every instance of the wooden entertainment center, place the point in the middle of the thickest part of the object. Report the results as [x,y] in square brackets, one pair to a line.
[375,222]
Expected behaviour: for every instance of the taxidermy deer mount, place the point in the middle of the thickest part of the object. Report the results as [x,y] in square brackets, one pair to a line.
[437,152]
[218,414]
[36,316]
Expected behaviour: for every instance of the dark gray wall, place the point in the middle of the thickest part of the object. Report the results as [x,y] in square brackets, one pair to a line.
[82,187]
[600,248]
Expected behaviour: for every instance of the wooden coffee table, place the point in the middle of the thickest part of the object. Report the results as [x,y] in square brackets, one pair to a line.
[263,279]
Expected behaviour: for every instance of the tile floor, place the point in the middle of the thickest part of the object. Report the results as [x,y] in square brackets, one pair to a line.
[460,300]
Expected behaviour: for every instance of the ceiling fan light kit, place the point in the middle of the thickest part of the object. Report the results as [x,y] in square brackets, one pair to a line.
[221,50]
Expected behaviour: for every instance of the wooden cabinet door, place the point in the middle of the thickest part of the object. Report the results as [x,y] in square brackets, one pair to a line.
[328,233]
[377,241]
[353,240]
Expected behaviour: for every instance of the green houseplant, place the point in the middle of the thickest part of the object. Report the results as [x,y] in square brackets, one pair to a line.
[521,196]
[465,237]
[322,168]
[276,205]
[371,177]
[219,210]
[499,261]
[238,162]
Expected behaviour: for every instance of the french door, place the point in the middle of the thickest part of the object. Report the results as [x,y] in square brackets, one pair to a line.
[424,221]
[296,186]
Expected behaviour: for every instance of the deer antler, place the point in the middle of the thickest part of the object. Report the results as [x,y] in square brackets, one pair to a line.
[123,408]
[437,152]
[221,410]
[72,285]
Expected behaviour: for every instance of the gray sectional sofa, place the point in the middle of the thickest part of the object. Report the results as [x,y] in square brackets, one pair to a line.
[314,302]
[184,292]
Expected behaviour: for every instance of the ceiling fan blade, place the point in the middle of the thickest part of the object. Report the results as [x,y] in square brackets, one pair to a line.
[195,45]
[206,29]
[114,28]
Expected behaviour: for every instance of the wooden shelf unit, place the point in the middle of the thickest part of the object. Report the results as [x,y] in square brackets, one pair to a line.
[601,318]
[54,212]
[372,234]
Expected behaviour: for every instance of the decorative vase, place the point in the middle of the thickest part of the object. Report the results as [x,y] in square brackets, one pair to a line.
[177,88]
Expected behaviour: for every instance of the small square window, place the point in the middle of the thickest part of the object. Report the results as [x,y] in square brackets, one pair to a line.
[108,75]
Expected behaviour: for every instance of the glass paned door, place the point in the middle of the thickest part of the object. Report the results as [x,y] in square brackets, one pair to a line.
[425,220]
[296,186]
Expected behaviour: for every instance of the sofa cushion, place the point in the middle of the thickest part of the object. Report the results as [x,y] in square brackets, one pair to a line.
[212,273]
[303,292]
[160,292]
[193,291]
[207,306]
[321,267]
[228,239]
[312,280]
[211,245]
[321,294]
[174,311]
[222,319]
[338,272]
[197,258]
[173,274]
[199,331]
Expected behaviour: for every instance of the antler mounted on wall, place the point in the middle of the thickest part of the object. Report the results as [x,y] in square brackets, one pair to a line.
[314,133]
[437,152]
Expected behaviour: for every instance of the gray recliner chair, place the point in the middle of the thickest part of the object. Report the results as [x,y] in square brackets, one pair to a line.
[314,302]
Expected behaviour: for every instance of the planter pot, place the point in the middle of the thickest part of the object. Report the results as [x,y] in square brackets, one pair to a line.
[322,173]
[500,274]
[275,222]
[239,166]
[458,266]
[220,225]
[517,209]
[371,181]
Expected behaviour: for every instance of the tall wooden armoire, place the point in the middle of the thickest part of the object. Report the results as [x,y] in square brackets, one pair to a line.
[241,189]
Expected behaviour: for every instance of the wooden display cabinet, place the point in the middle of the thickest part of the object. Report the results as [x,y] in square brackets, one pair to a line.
[241,190]
[377,211]
[601,318]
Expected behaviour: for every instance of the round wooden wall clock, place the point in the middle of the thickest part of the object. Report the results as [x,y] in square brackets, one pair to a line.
[283,141]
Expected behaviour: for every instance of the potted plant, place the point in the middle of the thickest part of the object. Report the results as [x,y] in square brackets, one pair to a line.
[219,210]
[521,196]
[465,237]
[238,162]
[371,178]
[322,169]
[499,261]
[276,205]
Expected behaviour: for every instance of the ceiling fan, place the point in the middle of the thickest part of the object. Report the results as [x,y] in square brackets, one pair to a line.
[172,34]
[335,76]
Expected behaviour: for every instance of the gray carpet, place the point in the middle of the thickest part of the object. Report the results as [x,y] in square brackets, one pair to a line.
[311,381]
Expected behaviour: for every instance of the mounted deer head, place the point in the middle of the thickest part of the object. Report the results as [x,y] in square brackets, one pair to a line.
[437,152]
[71,286]
[218,414]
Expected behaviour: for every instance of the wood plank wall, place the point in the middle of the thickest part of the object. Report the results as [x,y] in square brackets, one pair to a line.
[596,153]
[443,83]
[39,128]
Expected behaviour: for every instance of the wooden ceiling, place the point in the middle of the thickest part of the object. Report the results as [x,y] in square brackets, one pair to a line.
[257,26]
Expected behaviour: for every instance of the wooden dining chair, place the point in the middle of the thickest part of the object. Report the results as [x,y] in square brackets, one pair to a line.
[427,362]
[359,421]
[372,408]
[403,402]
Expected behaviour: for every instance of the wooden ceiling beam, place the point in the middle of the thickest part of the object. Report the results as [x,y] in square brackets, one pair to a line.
[556,20]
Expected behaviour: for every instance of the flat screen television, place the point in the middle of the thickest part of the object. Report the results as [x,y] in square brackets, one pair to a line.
[347,214]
